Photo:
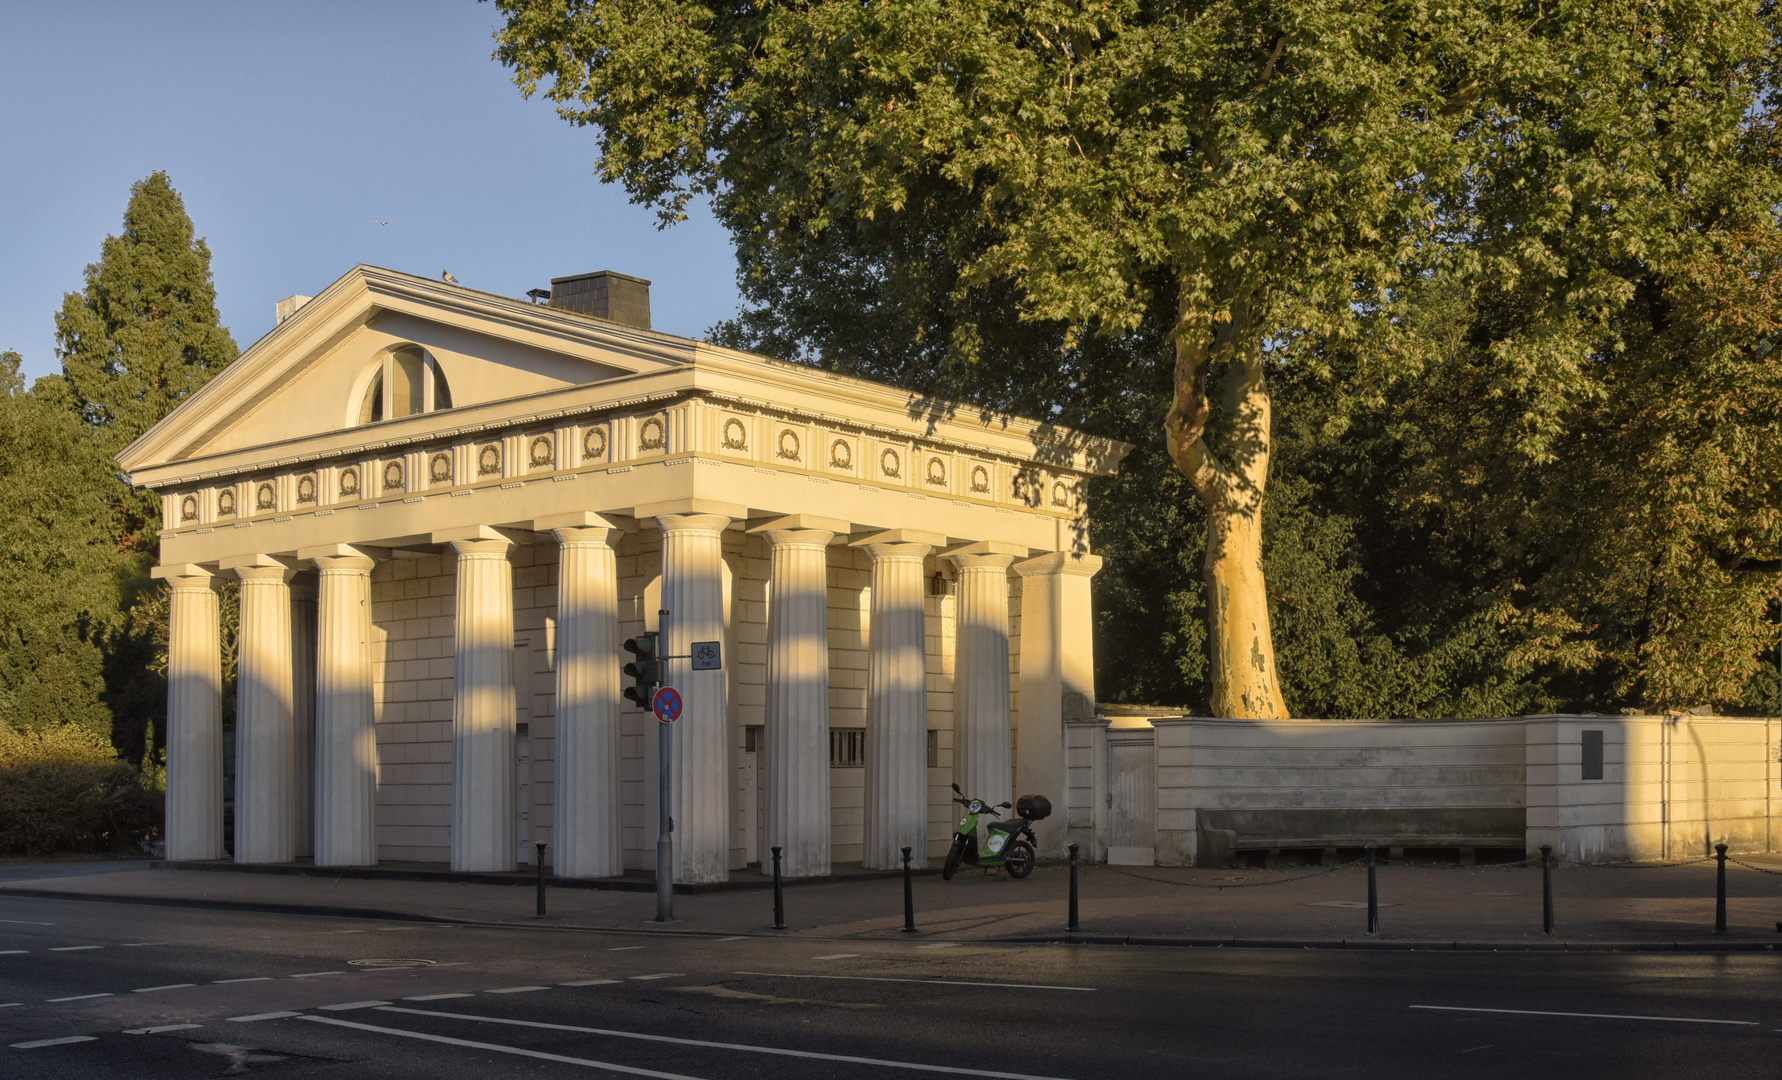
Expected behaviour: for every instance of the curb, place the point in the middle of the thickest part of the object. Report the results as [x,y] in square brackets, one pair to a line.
[520,878]
[1397,945]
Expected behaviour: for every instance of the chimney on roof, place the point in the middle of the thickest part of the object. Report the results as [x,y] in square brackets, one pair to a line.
[288,307]
[606,293]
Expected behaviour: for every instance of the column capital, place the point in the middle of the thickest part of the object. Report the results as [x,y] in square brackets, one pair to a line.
[803,538]
[262,567]
[187,576]
[1059,562]
[692,522]
[902,536]
[802,523]
[980,560]
[581,519]
[478,534]
[893,550]
[342,551]
[336,564]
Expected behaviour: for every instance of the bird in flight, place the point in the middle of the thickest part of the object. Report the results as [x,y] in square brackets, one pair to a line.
[380,222]
[446,276]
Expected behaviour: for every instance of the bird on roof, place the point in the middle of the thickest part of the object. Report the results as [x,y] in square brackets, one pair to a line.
[380,222]
[446,276]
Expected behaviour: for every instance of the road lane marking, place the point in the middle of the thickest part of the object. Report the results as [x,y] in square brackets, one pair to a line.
[250,978]
[77,997]
[1487,1046]
[626,948]
[313,974]
[738,937]
[169,986]
[348,1006]
[940,945]
[35,1043]
[436,997]
[926,982]
[73,948]
[11,1004]
[251,1017]
[1589,1016]
[516,989]
[26,922]
[13,952]
[583,982]
[745,1047]
[498,1048]
[837,956]
[661,975]
[143,944]
[161,1028]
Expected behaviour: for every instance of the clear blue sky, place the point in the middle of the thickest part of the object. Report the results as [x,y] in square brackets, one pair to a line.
[291,129]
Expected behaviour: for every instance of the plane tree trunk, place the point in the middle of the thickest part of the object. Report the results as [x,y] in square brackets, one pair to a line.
[1243,651]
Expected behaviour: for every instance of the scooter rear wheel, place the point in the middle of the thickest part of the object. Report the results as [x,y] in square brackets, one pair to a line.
[1019,859]
[954,853]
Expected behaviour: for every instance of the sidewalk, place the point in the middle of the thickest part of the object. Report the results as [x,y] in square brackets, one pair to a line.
[1662,908]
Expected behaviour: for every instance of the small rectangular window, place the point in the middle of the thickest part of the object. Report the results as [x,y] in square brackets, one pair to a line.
[847,748]
[1593,755]
[933,749]
[751,739]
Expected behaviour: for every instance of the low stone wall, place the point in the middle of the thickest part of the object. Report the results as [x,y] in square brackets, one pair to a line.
[1184,791]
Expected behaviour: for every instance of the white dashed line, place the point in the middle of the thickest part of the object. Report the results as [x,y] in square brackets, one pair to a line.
[73,948]
[158,1030]
[77,997]
[584,982]
[13,952]
[516,989]
[348,1006]
[313,974]
[250,978]
[169,986]
[663,975]
[625,948]
[930,982]
[837,956]
[539,1054]
[436,997]
[261,1016]
[738,937]
[26,922]
[34,1044]
[11,1004]
[940,945]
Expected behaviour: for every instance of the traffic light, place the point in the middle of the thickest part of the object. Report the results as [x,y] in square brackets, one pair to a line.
[645,672]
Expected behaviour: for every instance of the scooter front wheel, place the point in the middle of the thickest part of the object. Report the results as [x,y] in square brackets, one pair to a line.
[1019,859]
[954,853]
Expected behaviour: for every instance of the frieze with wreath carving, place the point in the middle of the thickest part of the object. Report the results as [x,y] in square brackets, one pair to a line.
[488,460]
[980,480]
[188,508]
[439,468]
[736,435]
[789,448]
[226,502]
[265,498]
[349,482]
[841,454]
[540,452]
[306,489]
[937,472]
[393,474]
[890,463]
[652,434]
[594,444]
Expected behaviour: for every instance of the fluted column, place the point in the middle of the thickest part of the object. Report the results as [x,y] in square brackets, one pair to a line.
[346,740]
[303,712]
[1057,677]
[483,705]
[589,842]
[699,781]
[798,699]
[896,709]
[194,807]
[265,736]
[981,678]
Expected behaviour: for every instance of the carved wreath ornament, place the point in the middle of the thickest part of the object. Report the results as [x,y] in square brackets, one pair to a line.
[392,475]
[540,452]
[980,480]
[306,489]
[937,472]
[439,468]
[594,444]
[890,464]
[349,482]
[652,434]
[188,508]
[736,436]
[789,444]
[488,460]
[841,454]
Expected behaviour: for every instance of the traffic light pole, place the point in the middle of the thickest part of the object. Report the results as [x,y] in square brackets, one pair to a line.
[664,822]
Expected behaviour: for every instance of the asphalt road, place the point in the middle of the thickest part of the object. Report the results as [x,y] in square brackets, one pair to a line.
[115,990]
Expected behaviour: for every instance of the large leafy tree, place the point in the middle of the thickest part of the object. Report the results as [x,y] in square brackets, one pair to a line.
[1277,181]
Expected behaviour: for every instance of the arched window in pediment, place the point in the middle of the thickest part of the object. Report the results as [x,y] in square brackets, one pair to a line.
[406,381]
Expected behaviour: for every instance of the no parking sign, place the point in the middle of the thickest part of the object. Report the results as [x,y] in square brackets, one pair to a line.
[667,705]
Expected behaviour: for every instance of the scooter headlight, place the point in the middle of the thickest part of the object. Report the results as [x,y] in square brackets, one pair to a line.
[976,807]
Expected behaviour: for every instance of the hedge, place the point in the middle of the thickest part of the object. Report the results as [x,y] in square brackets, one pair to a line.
[63,789]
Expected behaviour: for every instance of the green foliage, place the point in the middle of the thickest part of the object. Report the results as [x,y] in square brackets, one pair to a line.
[63,789]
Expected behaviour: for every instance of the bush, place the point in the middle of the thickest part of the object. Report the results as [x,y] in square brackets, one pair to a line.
[62,789]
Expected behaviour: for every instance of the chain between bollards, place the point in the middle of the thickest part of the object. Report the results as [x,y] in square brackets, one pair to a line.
[1546,889]
[540,845]
[909,896]
[1720,891]
[1373,893]
[779,901]
[1073,926]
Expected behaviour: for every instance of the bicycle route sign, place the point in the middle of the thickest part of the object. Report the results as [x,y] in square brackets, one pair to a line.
[667,704]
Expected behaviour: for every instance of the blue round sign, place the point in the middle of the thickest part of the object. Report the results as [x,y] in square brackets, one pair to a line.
[667,704]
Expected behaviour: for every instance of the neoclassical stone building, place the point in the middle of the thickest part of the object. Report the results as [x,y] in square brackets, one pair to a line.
[447,508]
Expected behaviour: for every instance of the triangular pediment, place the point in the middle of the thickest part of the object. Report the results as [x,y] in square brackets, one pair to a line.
[308,376]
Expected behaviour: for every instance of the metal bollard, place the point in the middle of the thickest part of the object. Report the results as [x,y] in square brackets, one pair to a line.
[1373,893]
[1546,889]
[540,844]
[1073,925]
[779,901]
[909,896]
[1720,891]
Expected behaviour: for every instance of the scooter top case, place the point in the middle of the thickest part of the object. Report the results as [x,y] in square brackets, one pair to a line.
[1033,807]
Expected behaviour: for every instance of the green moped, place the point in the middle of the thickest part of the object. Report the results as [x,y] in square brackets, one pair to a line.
[1007,844]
